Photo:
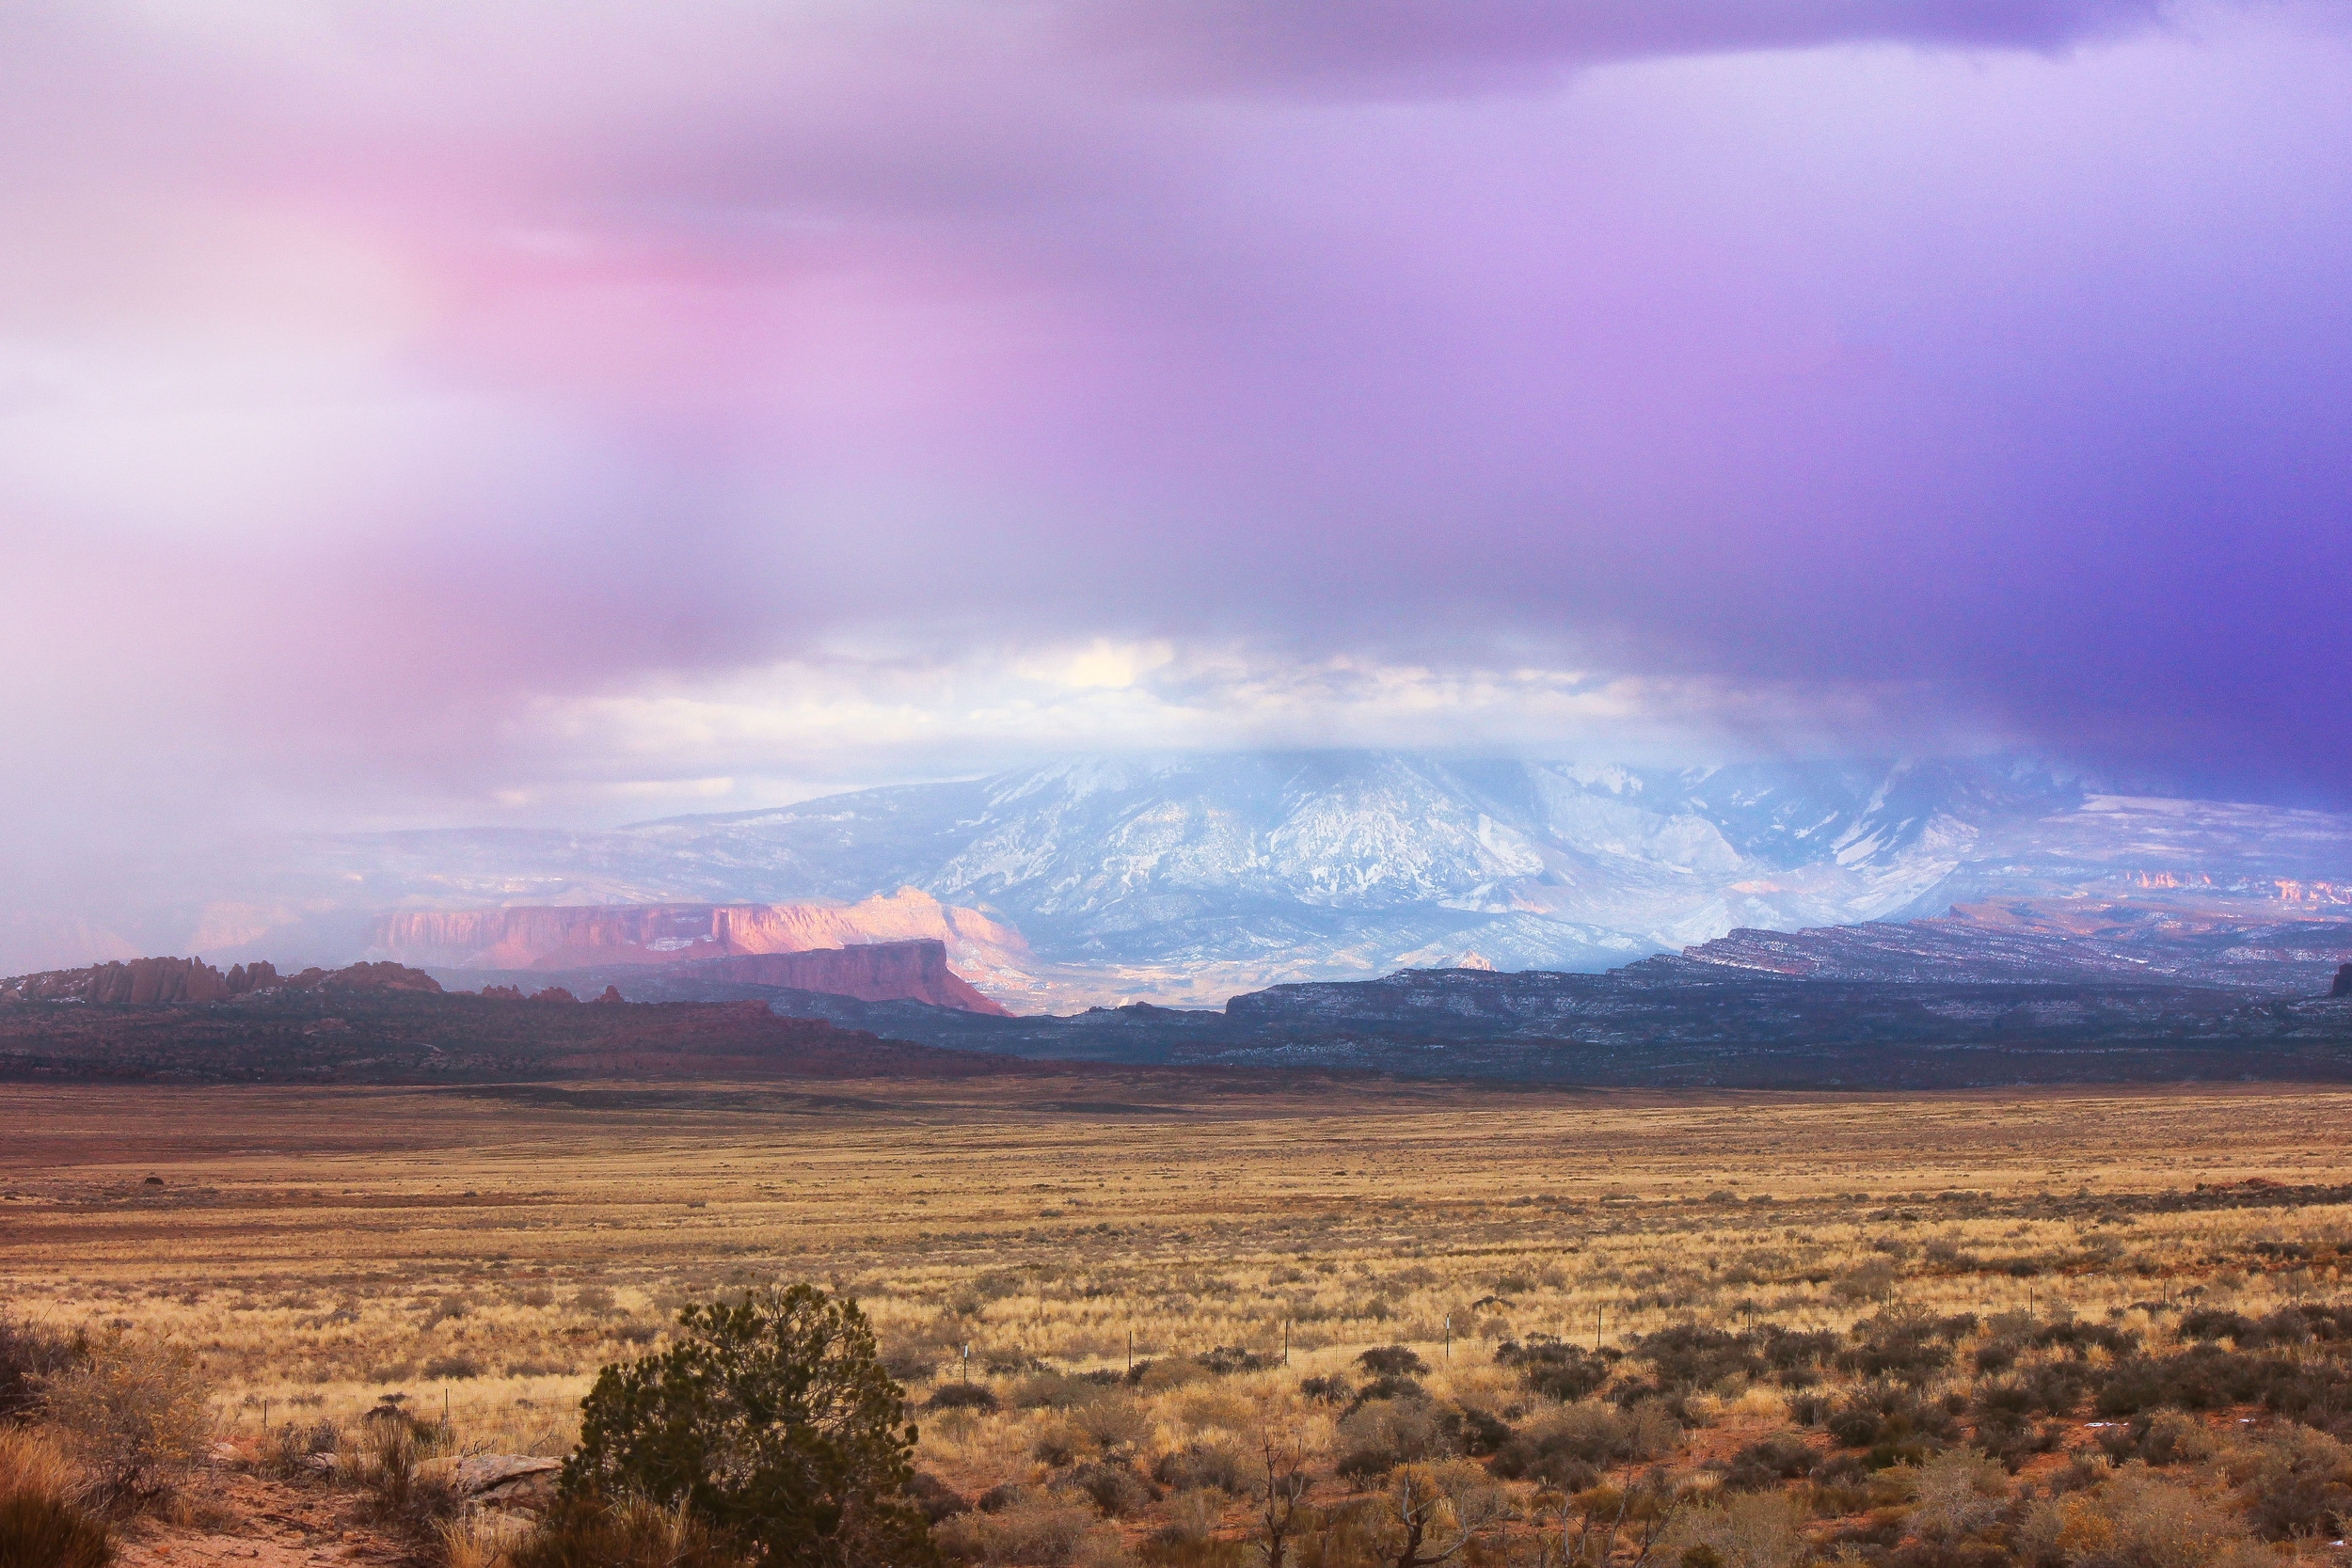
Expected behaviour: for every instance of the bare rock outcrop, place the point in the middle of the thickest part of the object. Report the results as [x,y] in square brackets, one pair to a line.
[590,936]
[366,977]
[876,972]
[139,983]
[179,982]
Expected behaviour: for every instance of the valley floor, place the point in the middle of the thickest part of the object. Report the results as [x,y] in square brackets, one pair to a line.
[484,1249]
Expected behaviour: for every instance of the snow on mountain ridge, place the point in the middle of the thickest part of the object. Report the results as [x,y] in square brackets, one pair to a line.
[1185,874]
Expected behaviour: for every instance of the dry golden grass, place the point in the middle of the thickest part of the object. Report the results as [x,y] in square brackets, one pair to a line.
[486,1253]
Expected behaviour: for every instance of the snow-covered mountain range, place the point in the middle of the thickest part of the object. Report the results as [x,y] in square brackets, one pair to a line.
[1186,878]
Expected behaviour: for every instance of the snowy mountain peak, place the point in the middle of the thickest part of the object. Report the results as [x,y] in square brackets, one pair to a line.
[1186,877]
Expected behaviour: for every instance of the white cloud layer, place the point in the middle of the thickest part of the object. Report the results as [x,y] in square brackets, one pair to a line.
[801,726]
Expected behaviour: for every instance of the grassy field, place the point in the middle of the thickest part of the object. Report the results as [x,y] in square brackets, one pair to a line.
[486,1249]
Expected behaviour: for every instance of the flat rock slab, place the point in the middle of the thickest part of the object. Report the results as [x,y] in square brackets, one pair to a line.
[478,1473]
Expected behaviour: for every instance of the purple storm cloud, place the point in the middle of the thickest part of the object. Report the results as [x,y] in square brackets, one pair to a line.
[399,404]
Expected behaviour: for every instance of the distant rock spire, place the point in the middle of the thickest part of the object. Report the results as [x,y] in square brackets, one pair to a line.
[2344,982]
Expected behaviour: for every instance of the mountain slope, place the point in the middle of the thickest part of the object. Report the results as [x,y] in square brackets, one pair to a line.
[1201,876]
[2059,942]
[1189,879]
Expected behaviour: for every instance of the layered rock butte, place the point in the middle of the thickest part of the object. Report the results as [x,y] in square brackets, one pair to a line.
[585,936]
[880,949]
[874,971]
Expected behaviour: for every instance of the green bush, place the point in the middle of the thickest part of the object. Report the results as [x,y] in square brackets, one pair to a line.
[770,1419]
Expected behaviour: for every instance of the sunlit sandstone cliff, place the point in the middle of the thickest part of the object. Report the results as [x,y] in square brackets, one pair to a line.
[593,935]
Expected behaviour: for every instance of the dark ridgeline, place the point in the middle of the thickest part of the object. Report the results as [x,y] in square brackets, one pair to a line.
[1935,1003]
[382,1023]
[1925,1003]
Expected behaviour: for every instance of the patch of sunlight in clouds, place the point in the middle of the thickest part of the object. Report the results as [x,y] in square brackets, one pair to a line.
[845,719]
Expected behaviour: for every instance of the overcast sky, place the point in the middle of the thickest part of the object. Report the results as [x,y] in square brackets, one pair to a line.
[582,412]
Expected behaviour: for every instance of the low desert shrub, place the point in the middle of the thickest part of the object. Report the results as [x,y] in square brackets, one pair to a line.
[2293,1483]
[2166,1437]
[1164,1549]
[2002,1412]
[1386,1389]
[1762,1466]
[1039,1531]
[1688,1358]
[1199,1464]
[1873,1281]
[1114,1422]
[1950,1553]
[40,1531]
[483,1538]
[1568,1448]
[42,1523]
[1384,1434]
[2079,1339]
[1188,1538]
[291,1451]
[2136,1519]
[1796,1356]
[134,1416]
[1473,1432]
[1893,1423]
[1554,1368]
[2206,1377]
[395,1494]
[588,1533]
[910,1363]
[1116,1489]
[1055,1391]
[1907,1347]
[960,1396]
[1392,1361]
[1157,1377]
[1958,1493]
[2288,1326]
[935,1497]
[29,1355]
[1750,1530]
